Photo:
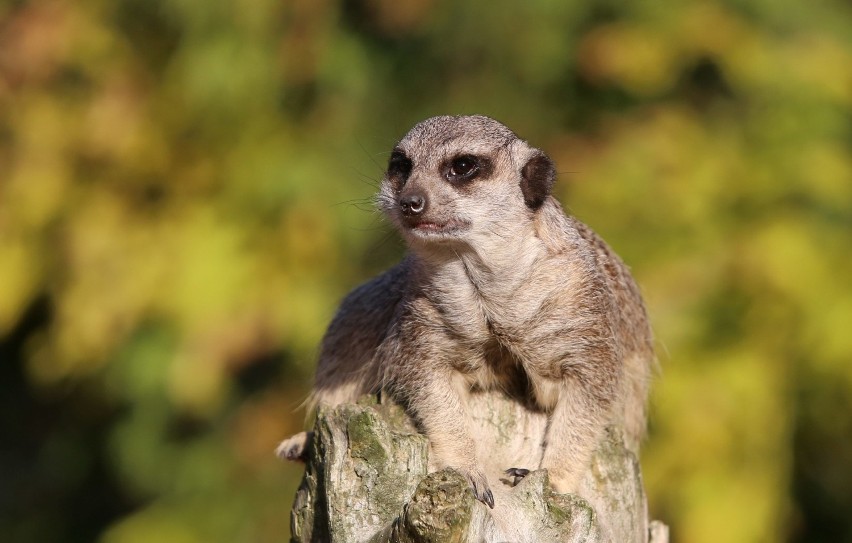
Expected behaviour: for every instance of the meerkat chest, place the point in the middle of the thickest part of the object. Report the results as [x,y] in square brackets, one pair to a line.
[482,314]
[461,311]
[494,351]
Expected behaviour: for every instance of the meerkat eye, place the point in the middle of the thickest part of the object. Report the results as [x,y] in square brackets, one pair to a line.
[462,168]
[399,166]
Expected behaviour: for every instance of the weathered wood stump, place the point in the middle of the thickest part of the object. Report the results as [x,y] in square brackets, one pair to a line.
[368,480]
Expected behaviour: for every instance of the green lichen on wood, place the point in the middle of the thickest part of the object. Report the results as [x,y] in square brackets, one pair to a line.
[366,438]
[359,474]
[573,515]
[440,510]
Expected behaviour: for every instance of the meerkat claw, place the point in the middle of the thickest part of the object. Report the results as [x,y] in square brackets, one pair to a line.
[488,498]
[479,487]
[518,474]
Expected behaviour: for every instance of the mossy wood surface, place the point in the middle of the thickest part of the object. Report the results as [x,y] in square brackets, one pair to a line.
[368,479]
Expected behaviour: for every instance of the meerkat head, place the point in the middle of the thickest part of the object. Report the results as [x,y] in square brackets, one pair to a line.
[459,179]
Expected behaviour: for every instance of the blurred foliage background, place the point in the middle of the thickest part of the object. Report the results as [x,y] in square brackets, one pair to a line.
[185,197]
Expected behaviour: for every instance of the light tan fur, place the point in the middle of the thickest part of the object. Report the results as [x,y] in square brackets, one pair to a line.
[500,290]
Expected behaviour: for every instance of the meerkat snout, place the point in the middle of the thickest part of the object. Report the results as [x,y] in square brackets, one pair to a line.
[412,204]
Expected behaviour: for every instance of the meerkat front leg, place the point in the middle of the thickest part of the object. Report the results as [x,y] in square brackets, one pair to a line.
[436,404]
[573,431]
[584,398]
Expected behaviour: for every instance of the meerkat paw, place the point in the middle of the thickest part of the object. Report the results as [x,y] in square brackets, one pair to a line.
[295,448]
[517,474]
[479,486]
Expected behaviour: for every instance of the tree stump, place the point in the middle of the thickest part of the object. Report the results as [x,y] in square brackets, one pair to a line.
[368,480]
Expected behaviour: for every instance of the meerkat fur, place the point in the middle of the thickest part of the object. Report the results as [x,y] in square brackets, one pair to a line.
[500,290]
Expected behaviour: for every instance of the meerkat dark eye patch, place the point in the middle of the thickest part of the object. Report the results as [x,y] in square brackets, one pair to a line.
[464,168]
[399,166]
[537,178]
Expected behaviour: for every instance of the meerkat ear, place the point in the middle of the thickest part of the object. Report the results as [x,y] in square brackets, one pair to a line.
[537,177]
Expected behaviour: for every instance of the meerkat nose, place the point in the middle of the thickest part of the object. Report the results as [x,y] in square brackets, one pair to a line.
[412,204]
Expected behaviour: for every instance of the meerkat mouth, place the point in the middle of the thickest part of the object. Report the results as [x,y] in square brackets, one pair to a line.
[431,228]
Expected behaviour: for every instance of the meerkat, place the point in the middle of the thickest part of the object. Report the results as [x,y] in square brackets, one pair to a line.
[499,290]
